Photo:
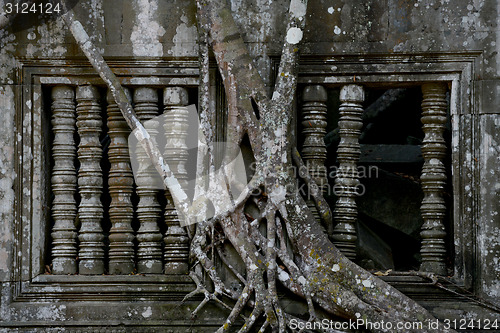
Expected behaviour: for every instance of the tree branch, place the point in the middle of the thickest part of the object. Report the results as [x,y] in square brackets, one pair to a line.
[286,81]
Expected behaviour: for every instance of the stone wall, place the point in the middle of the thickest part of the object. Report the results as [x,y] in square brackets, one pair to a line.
[157,30]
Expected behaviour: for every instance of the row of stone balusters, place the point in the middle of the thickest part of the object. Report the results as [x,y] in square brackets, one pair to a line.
[88,258]
[345,213]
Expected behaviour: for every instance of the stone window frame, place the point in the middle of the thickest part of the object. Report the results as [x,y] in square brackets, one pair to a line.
[32,185]
[405,70]
[31,284]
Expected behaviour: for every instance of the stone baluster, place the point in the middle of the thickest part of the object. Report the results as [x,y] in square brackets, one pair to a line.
[63,179]
[314,131]
[176,241]
[149,251]
[433,178]
[90,211]
[121,182]
[347,181]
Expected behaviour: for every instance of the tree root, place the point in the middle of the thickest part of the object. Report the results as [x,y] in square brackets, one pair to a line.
[201,289]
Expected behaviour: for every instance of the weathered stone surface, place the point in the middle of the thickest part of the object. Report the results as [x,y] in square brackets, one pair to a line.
[398,32]
[64,181]
[433,178]
[347,179]
[176,240]
[313,148]
[121,186]
[90,182]
[7,176]
[489,101]
[488,223]
[149,252]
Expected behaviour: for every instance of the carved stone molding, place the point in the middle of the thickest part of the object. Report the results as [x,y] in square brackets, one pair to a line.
[176,241]
[149,251]
[90,211]
[314,130]
[121,182]
[433,178]
[30,287]
[348,152]
[63,180]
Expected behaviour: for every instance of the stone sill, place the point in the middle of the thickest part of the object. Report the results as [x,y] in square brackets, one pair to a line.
[112,279]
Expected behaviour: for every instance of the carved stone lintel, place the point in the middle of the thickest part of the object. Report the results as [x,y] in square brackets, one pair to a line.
[348,152]
[63,181]
[433,178]
[314,130]
[149,250]
[176,241]
[121,182]
[90,211]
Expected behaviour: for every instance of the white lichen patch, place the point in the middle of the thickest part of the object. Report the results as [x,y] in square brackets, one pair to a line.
[294,35]
[367,283]
[331,10]
[147,32]
[471,21]
[297,8]
[148,312]
[185,36]
[337,30]
[52,312]
[283,276]
[335,268]
[278,195]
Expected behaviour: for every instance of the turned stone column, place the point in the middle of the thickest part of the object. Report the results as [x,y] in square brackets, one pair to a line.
[90,211]
[175,100]
[348,152]
[63,181]
[433,178]
[149,251]
[314,131]
[121,182]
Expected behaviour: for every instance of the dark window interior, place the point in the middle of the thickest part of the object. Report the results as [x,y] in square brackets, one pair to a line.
[390,165]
